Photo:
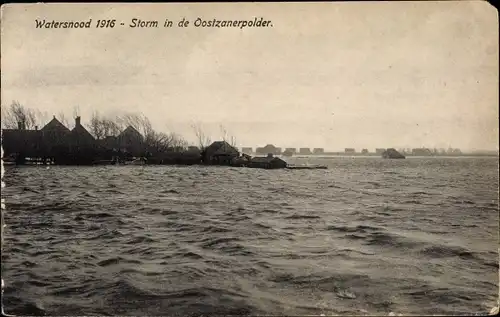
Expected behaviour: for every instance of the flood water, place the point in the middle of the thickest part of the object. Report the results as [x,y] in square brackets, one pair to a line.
[366,236]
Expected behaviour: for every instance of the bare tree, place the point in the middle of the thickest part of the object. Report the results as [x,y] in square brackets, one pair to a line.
[111,127]
[202,139]
[157,142]
[101,127]
[231,140]
[178,142]
[64,120]
[160,142]
[16,115]
[95,126]
[138,121]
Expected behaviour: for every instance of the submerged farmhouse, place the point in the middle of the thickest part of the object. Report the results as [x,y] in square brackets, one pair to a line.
[219,153]
[268,162]
[57,144]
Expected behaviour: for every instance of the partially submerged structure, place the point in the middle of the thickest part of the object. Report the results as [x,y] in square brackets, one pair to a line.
[392,154]
[60,145]
[267,162]
[219,153]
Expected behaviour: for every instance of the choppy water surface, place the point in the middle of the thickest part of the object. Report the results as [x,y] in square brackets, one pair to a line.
[365,236]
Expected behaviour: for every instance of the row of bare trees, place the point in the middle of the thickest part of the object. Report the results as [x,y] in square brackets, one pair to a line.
[203,140]
[101,126]
[17,115]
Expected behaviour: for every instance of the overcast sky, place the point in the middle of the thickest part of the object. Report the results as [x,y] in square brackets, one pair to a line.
[332,75]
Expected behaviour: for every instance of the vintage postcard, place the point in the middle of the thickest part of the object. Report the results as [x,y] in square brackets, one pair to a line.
[209,159]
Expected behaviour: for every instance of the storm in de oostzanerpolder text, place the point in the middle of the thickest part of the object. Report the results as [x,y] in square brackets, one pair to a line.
[140,23]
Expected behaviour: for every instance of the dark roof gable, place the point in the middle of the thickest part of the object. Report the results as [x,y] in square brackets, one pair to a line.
[220,146]
[80,131]
[130,130]
[55,124]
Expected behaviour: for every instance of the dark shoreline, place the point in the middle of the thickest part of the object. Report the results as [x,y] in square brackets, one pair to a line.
[180,164]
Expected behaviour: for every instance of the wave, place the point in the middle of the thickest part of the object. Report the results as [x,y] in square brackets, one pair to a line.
[146,242]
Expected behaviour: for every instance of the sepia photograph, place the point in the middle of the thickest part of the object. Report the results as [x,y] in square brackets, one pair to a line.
[250,159]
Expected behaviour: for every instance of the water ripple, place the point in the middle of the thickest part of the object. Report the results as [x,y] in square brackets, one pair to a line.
[367,236]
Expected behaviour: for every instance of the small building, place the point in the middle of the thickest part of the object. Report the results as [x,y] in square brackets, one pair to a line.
[379,151]
[291,150]
[364,151]
[288,152]
[349,150]
[267,162]
[267,149]
[318,151]
[219,153]
[305,151]
[421,152]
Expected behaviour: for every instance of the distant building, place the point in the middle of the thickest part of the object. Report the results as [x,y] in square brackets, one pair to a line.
[291,150]
[268,149]
[247,150]
[379,150]
[364,151]
[350,150]
[454,151]
[220,153]
[305,151]
[318,151]
[288,152]
[421,152]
